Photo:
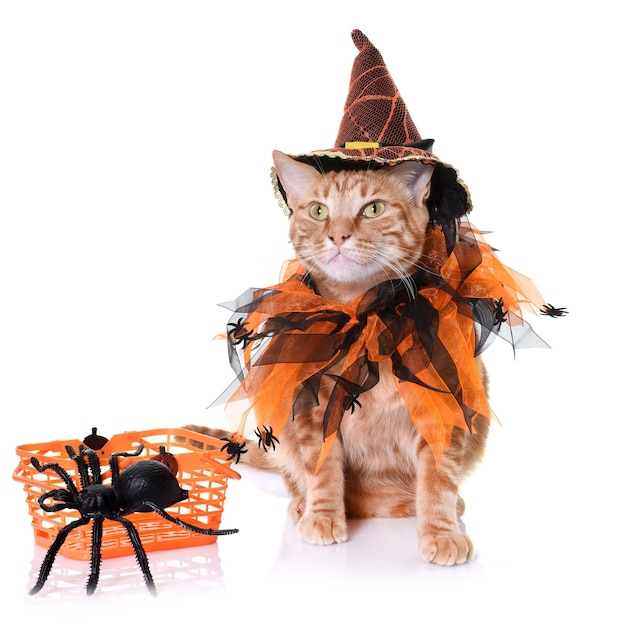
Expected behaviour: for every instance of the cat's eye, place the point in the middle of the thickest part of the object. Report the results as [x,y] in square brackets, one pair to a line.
[373,209]
[318,211]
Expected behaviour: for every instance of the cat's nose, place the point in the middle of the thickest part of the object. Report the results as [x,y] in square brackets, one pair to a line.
[338,238]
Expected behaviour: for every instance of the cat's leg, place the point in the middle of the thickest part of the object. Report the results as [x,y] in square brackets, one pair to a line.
[317,505]
[440,538]
[324,519]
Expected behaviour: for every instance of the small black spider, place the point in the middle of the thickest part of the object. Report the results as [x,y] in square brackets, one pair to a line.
[548,309]
[238,333]
[267,439]
[351,402]
[145,485]
[234,448]
[499,314]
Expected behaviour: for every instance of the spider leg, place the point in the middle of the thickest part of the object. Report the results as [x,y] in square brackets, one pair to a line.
[55,467]
[114,463]
[94,464]
[63,498]
[176,520]
[46,566]
[140,553]
[83,472]
[96,555]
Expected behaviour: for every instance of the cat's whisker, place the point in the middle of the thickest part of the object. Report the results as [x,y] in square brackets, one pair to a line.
[305,245]
[399,273]
[306,259]
[382,264]
[409,259]
[418,264]
[409,253]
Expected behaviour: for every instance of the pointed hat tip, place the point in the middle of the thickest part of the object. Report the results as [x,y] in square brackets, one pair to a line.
[359,39]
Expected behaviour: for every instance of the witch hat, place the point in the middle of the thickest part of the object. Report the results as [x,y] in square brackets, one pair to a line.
[375,115]
[377,130]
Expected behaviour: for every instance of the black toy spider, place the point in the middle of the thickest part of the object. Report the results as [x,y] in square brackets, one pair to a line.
[499,314]
[145,485]
[238,333]
[234,448]
[267,439]
[351,402]
[553,311]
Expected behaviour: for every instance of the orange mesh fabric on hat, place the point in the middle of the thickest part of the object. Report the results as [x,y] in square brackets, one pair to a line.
[374,110]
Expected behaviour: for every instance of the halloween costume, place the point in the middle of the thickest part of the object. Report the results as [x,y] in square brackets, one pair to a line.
[284,341]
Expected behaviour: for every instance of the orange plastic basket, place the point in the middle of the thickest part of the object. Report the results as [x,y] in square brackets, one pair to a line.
[203,470]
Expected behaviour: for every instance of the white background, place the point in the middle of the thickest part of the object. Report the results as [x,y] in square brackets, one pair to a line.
[135,196]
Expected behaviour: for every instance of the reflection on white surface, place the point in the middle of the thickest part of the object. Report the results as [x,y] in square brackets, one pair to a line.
[172,570]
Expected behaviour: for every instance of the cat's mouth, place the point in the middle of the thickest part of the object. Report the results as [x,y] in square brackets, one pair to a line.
[344,267]
[340,259]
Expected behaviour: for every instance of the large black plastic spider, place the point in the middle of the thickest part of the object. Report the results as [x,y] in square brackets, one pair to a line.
[145,485]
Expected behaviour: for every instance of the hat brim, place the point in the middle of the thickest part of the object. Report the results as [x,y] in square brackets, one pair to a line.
[348,158]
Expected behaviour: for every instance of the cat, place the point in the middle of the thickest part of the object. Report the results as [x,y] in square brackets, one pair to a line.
[353,229]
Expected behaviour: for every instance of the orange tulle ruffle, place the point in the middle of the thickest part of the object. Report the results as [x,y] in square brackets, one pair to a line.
[286,339]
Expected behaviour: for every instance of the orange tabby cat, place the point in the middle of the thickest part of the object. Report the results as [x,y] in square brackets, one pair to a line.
[353,230]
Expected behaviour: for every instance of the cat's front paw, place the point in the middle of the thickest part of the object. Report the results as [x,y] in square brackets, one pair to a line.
[446,549]
[322,529]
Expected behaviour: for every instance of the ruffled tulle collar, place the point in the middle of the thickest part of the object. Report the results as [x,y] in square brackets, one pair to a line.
[284,341]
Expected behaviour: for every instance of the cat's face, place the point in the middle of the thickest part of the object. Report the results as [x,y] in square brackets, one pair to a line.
[354,229]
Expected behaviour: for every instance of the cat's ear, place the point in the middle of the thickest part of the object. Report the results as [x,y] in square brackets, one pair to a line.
[295,178]
[415,175]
